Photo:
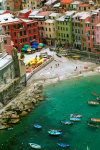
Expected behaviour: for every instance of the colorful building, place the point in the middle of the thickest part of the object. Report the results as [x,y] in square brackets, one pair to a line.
[23,14]
[21,31]
[96,49]
[17,4]
[10,4]
[31,4]
[64,6]
[73,5]
[64,28]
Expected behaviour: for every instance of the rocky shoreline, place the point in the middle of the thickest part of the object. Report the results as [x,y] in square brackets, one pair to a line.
[11,115]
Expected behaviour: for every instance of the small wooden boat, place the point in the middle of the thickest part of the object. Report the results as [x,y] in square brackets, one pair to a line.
[95,119]
[37,126]
[94,94]
[67,122]
[93,103]
[10,128]
[92,124]
[98,98]
[34,145]
[58,130]
[63,144]
[75,119]
[75,115]
[54,132]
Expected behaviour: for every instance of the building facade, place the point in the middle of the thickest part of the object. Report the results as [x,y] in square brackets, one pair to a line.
[23,14]
[17,4]
[10,4]
[64,6]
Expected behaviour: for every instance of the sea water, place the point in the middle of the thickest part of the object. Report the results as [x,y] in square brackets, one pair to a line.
[62,99]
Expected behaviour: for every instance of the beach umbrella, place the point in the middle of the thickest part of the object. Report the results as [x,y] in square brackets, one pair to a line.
[28,50]
[26,46]
[34,46]
[43,44]
[35,43]
[25,50]
[32,49]
[39,47]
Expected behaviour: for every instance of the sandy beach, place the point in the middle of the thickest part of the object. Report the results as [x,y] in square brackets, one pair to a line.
[59,69]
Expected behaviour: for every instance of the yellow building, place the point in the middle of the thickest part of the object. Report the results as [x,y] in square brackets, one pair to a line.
[64,6]
[10,4]
[32,4]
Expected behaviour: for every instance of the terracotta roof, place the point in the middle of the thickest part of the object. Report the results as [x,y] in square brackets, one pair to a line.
[44,13]
[84,5]
[66,1]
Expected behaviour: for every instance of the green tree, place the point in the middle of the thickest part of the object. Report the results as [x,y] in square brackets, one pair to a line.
[22,56]
[40,56]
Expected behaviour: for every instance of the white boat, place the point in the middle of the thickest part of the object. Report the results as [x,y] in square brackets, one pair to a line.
[34,145]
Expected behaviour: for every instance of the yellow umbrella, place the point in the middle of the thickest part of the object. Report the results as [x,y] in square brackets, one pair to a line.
[75,56]
[28,50]
[27,61]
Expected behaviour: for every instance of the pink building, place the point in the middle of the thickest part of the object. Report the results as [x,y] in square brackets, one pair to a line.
[90,29]
[97,37]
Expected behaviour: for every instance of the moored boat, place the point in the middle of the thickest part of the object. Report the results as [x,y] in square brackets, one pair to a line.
[67,122]
[63,144]
[92,124]
[75,119]
[75,115]
[98,98]
[94,94]
[93,103]
[37,126]
[58,130]
[34,145]
[10,128]
[95,119]
[54,132]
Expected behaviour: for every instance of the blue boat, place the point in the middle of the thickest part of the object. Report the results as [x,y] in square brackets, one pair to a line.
[63,144]
[75,119]
[54,132]
[34,145]
[10,128]
[37,126]
[67,122]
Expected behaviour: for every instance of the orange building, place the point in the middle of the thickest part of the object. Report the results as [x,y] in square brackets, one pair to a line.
[17,4]
[64,6]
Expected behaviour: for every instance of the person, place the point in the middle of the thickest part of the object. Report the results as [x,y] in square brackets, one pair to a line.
[76,67]
[58,65]
[51,67]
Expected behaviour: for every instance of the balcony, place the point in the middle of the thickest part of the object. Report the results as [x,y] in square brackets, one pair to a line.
[77,42]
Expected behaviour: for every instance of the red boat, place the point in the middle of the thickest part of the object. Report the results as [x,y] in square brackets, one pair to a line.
[93,102]
[94,94]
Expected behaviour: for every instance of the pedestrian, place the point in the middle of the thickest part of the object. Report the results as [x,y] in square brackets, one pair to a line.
[76,67]
[44,80]
[51,67]
[58,65]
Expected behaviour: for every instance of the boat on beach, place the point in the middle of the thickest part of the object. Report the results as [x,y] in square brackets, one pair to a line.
[54,132]
[93,103]
[98,98]
[67,122]
[75,115]
[34,145]
[94,94]
[75,119]
[37,126]
[95,119]
[63,144]
[92,124]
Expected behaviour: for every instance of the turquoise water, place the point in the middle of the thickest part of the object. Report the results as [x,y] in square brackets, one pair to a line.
[63,99]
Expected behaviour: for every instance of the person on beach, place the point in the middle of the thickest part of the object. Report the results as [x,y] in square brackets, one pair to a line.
[51,67]
[58,65]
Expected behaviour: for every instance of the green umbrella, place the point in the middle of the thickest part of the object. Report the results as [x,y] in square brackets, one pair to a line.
[22,49]
[40,45]
[32,49]
[26,46]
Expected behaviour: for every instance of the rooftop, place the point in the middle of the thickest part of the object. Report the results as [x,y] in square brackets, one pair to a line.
[26,20]
[2,11]
[98,25]
[4,61]
[82,15]
[44,13]
[50,2]
[49,21]
[57,5]
[34,12]
[69,13]
[54,14]
[66,1]
[76,3]
[82,5]
[24,11]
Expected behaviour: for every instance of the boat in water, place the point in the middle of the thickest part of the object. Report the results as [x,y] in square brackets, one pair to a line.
[75,115]
[67,122]
[95,119]
[98,98]
[75,119]
[92,124]
[34,145]
[63,144]
[37,126]
[93,103]
[94,94]
[58,130]
[54,132]
[10,128]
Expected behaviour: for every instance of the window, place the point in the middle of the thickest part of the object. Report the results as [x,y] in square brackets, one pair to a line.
[60,22]
[16,1]
[33,24]
[84,8]
[20,33]
[66,29]
[66,23]
[5,41]
[89,44]
[64,35]
[97,28]
[34,30]
[92,32]
[25,39]
[79,8]
[14,26]
[58,27]
[21,40]
[82,31]
[29,31]
[59,34]
[41,23]
[88,7]
[81,25]
[46,35]
[88,25]
[34,36]
[53,29]
[75,24]
[30,37]
[78,30]
[15,33]
[61,28]
[92,27]
[92,20]
[25,32]
[88,38]
[88,32]
[49,29]
[0,4]
[78,25]
[15,41]
[28,5]
[50,35]
[97,36]
[46,29]
[63,23]
[75,30]
[67,35]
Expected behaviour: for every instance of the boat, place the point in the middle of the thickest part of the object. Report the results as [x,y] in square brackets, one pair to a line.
[75,119]
[67,122]
[98,98]
[34,145]
[94,94]
[37,126]
[95,119]
[92,124]
[10,128]
[75,115]
[58,130]
[63,144]
[93,103]
[54,132]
